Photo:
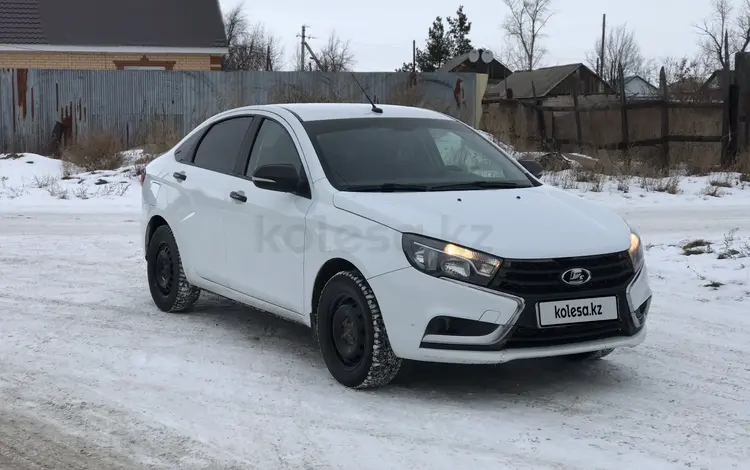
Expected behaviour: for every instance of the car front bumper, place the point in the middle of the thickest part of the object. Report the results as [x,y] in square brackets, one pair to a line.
[410,300]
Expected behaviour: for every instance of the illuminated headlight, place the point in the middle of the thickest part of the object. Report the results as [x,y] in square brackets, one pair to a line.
[636,250]
[443,259]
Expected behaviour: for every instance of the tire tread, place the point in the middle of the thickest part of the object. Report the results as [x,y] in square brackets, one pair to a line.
[385,364]
[187,294]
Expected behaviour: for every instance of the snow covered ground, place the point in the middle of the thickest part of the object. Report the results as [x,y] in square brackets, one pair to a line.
[30,182]
[92,375]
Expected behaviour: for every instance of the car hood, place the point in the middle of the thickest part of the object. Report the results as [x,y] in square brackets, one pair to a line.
[530,223]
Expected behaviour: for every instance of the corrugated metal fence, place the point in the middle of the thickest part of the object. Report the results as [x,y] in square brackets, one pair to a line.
[126,102]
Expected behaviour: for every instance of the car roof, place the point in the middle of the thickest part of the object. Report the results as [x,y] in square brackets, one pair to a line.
[325,111]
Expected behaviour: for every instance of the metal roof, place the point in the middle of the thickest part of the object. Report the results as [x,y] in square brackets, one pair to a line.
[544,79]
[20,22]
[147,23]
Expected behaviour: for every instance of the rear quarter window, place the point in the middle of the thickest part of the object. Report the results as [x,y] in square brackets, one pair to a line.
[184,152]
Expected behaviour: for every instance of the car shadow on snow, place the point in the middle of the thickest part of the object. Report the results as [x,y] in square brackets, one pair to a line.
[535,378]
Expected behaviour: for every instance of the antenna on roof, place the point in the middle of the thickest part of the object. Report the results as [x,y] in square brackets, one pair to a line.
[375,109]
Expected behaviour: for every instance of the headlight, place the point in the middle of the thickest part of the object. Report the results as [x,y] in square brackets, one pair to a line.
[443,259]
[636,249]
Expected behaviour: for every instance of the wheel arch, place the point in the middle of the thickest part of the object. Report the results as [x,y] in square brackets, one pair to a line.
[154,222]
[325,273]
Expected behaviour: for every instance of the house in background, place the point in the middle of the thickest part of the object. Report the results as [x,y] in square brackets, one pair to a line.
[712,87]
[111,35]
[688,88]
[550,82]
[637,88]
[496,70]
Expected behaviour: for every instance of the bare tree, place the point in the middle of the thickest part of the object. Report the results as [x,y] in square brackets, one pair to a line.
[620,47]
[681,69]
[334,56]
[523,26]
[742,26]
[724,32]
[713,30]
[251,47]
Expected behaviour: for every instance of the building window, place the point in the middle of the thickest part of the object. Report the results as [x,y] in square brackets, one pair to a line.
[144,63]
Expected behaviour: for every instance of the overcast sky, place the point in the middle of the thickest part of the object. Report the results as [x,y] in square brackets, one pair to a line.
[381,31]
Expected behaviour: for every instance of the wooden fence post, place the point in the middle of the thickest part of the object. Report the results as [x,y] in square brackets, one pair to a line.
[555,147]
[664,95]
[624,114]
[742,78]
[725,81]
[576,112]
[540,118]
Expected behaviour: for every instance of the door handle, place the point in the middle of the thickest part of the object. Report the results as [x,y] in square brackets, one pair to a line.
[238,196]
[180,176]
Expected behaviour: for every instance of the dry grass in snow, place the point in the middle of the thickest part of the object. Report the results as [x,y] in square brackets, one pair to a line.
[714,269]
[30,180]
[676,186]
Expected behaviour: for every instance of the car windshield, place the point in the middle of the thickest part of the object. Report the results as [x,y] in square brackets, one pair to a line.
[408,154]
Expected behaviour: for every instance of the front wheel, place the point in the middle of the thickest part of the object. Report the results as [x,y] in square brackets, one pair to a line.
[351,334]
[169,287]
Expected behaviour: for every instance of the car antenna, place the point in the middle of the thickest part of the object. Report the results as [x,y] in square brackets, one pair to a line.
[375,109]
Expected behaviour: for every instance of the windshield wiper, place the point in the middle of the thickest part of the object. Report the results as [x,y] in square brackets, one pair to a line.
[389,187]
[479,184]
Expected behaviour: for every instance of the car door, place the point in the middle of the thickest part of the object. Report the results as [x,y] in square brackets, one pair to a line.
[207,175]
[266,232]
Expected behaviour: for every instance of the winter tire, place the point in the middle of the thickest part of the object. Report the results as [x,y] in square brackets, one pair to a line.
[590,356]
[169,287]
[351,334]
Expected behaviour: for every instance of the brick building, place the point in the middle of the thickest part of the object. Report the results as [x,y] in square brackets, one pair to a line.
[112,35]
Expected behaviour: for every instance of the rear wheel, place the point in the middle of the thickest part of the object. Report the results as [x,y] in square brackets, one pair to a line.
[351,333]
[169,287]
[590,356]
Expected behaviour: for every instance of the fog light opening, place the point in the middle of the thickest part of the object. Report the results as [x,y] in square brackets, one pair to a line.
[452,326]
[641,313]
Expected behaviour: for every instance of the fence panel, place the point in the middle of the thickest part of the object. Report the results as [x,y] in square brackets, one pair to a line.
[33,101]
[694,132]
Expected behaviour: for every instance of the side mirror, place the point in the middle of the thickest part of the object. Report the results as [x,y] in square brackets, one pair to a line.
[281,178]
[533,167]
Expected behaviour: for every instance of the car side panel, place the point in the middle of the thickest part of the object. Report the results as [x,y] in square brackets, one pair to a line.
[169,200]
[372,248]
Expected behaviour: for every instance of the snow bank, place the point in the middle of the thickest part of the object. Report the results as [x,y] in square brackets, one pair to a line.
[716,189]
[34,182]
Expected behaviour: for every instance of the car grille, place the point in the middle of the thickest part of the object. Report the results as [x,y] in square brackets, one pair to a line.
[542,277]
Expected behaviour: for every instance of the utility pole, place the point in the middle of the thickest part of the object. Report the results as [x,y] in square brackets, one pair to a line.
[604,38]
[302,50]
[305,46]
